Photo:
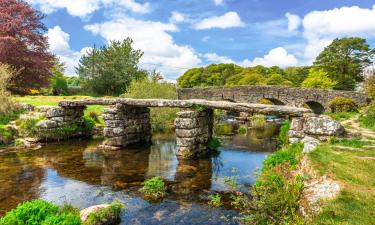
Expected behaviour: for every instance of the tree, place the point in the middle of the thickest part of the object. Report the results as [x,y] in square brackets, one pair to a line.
[109,70]
[296,75]
[344,60]
[318,78]
[58,84]
[6,74]
[275,79]
[23,45]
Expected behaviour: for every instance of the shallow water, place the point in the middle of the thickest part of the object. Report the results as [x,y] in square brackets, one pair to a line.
[77,172]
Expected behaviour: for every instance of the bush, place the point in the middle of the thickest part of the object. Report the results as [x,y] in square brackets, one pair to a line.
[7,134]
[33,213]
[370,86]
[7,105]
[284,133]
[258,121]
[161,118]
[215,200]
[214,144]
[154,188]
[113,211]
[342,104]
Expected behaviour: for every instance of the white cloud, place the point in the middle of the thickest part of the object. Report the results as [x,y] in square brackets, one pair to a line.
[293,21]
[215,58]
[83,8]
[160,50]
[177,17]
[218,2]
[321,27]
[275,57]
[59,45]
[228,20]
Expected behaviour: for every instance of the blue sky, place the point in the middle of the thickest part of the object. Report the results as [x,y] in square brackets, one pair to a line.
[179,34]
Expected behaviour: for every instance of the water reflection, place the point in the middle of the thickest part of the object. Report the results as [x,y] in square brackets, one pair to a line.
[81,174]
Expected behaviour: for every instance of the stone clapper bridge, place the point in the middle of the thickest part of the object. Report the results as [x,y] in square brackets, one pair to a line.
[127,121]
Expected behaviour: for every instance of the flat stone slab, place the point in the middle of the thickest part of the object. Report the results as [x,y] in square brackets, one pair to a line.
[224,105]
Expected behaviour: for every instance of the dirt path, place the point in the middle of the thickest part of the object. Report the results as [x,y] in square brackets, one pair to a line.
[353,126]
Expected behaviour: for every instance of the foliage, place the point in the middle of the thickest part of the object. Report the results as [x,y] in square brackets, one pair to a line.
[28,126]
[109,70]
[275,79]
[258,121]
[223,129]
[58,83]
[113,211]
[368,120]
[94,116]
[73,81]
[63,219]
[341,116]
[343,104]
[275,195]
[242,130]
[288,155]
[318,78]
[344,60]
[161,118]
[296,74]
[154,188]
[7,134]
[265,101]
[21,27]
[214,144]
[7,106]
[284,133]
[215,200]
[6,118]
[33,213]
[369,86]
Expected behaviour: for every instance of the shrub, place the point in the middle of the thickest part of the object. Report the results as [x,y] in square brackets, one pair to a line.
[7,134]
[10,116]
[7,105]
[33,213]
[63,219]
[154,188]
[284,133]
[342,104]
[113,211]
[148,88]
[290,155]
[242,130]
[258,121]
[370,86]
[27,126]
[368,120]
[215,200]
[214,144]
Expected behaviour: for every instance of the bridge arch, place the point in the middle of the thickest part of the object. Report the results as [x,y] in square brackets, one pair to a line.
[316,107]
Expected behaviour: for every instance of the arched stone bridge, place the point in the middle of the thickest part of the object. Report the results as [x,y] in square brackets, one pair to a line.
[317,99]
[127,121]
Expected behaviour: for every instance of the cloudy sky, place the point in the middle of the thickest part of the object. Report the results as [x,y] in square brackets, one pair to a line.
[179,34]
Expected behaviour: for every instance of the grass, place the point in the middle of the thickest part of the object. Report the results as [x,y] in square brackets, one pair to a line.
[113,211]
[284,133]
[258,121]
[354,170]
[354,143]
[154,188]
[215,200]
[341,116]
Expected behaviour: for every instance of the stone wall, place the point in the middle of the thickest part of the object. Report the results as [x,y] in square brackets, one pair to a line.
[193,133]
[311,129]
[291,96]
[126,125]
[60,123]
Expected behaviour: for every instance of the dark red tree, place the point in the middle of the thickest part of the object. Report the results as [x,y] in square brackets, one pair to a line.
[24,46]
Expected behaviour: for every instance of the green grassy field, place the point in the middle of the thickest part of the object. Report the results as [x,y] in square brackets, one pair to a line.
[354,170]
[53,101]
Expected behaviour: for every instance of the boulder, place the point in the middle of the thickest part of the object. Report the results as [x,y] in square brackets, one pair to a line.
[323,125]
[55,112]
[309,144]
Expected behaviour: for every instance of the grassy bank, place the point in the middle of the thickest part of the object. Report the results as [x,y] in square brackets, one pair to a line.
[54,100]
[354,170]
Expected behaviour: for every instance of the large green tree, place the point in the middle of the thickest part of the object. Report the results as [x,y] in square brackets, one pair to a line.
[344,60]
[109,70]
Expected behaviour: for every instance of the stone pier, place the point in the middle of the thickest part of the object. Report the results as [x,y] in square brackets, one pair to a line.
[193,133]
[126,125]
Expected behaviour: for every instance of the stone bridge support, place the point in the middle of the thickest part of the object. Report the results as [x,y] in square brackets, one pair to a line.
[193,133]
[126,125]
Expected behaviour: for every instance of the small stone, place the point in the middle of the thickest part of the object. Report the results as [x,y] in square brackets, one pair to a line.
[47,124]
